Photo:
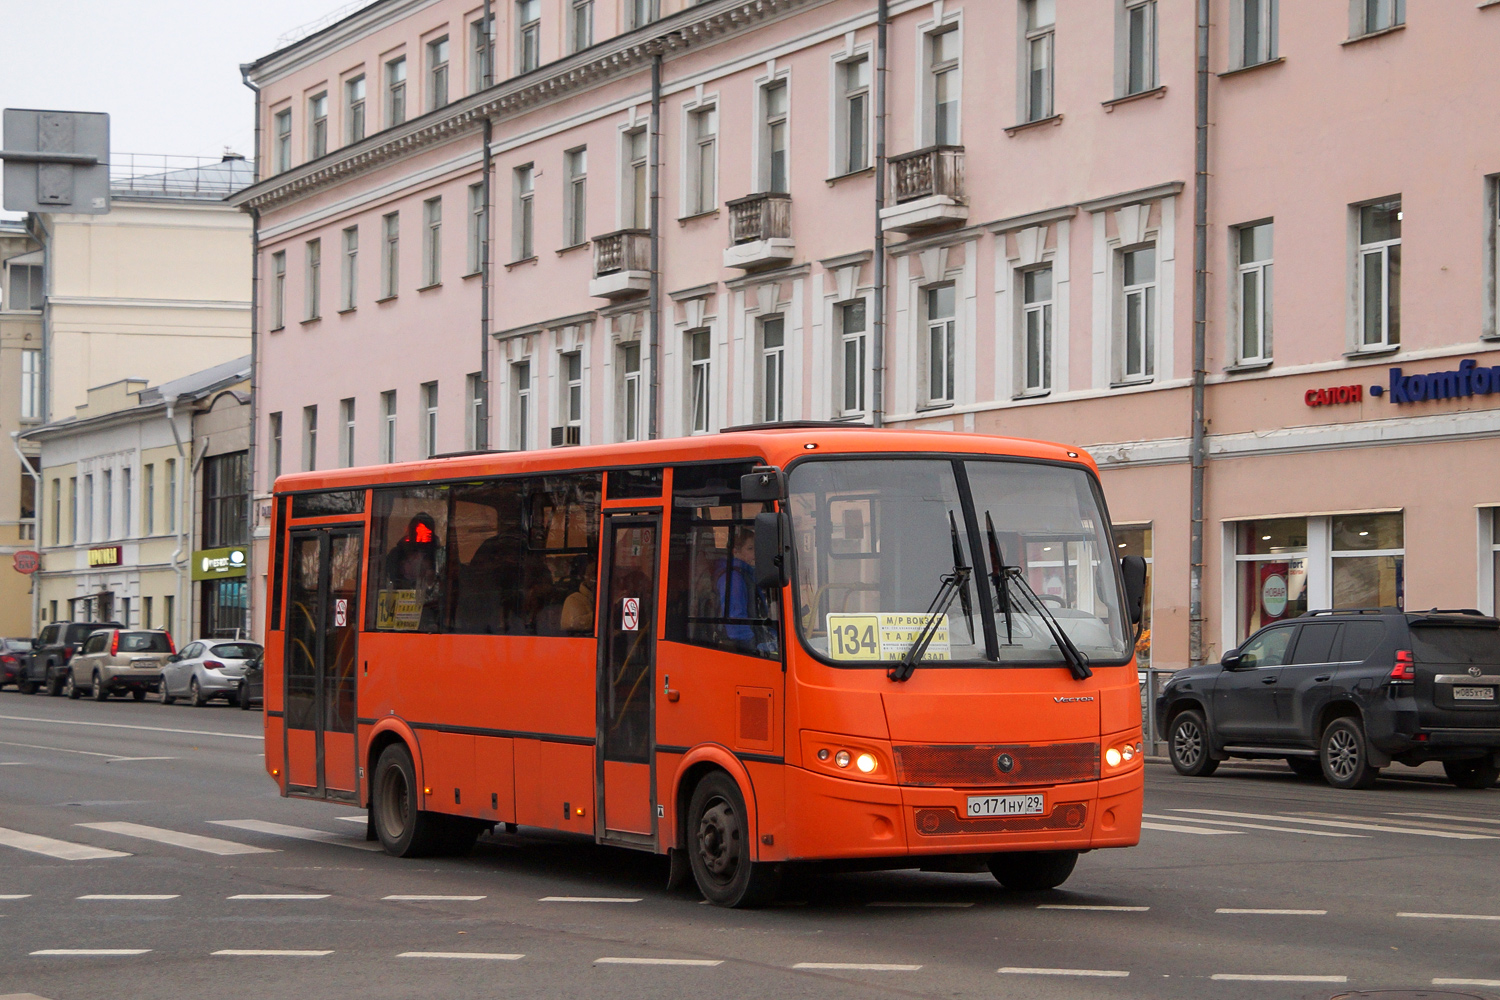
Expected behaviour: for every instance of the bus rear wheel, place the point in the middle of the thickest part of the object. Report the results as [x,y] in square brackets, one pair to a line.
[405,830]
[1033,871]
[719,847]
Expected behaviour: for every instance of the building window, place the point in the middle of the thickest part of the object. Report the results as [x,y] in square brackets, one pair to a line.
[148,499]
[941,344]
[473,431]
[853,345]
[31,384]
[313,293]
[349,270]
[854,120]
[1138,313]
[1254,292]
[1140,47]
[1494,547]
[309,438]
[26,291]
[1041,16]
[642,12]
[572,400]
[476,228]
[388,426]
[773,369]
[1036,327]
[703,162]
[30,488]
[637,150]
[699,381]
[520,378]
[145,612]
[126,484]
[1367,16]
[171,497]
[630,392]
[429,419]
[317,125]
[226,500]
[580,24]
[774,166]
[575,197]
[88,508]
[1271,572]
[481,55]
[57,509]
[1369,561]
[278,289]
[437,73]
[73,509]
[395,91]
[943,87]
[107,489]
[346,432]
[354,109]
[390,255]
[523,223]
[275,439]
[1380,274]
[1253,32]
[528,35]
[432,242]
[283,129]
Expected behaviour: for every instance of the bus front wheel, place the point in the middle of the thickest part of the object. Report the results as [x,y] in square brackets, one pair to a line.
[1033,871]
[405,830]
[719,847]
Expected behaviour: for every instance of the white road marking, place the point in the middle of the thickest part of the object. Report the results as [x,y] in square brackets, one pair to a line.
[130,895]
[1238,977]
[91,951]
[1089,906]
[1107,973]
[706,962]
[273,952]
[1378,827]
[12,763]
[1262,826]
[857,966]
[588,899]
[1272,913]
[61,849]
[123,760]
[279,895]
[1174,828]
[1449,916]
[1466,982]
[295,832]
[433,899]
[361,820]
[120,725]
[1458,819]
[922,906]
[38,746]
[486,956]
[1414,824]
[14,896]
[191,841]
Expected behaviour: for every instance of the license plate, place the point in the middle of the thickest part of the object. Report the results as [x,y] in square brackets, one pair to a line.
[1007,805]
[1473,694]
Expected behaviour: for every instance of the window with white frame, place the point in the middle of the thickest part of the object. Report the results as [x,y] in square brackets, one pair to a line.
[852,349]
[1369,16]
[943,85]
[528,35]
[432,242]
[853,115]
[635,161]
[1380,274]
[274,437]
[580,24]
[388,426]
[282,125]
[312,306]
[1036,330]
[317,125]
[1253,298]
[572,395]
[474,424]
[700,381]
[1137,298]
[354,109]
[346,432]
[25,292]
[429,419]
[477,233]
[278,290]
[575,197]
[642,12]
[702,167]
[390,255]
[1253,32]
[57,507]
[774,137]
[523,222]
[126,485]
[1140,72]
[107,495]
[349,270]
[1135,540]
[1039,48]
[773,369]
[630,391]
[31,384]
[309,438]
[395,91]
[437,73]
[1493,514]
[170,498]
[520,380]
[481,55]
[941,303]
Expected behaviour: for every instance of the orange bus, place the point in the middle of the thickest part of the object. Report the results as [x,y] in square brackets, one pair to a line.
[806,643]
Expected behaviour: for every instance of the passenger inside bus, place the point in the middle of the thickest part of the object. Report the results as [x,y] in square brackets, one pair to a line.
[578,609]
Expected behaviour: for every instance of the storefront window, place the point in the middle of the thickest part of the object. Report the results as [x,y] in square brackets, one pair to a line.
[1271,571]
[1135,540]
[1369,568]
[1494,556]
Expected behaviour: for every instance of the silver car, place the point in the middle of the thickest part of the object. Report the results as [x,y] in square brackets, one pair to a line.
[205,669]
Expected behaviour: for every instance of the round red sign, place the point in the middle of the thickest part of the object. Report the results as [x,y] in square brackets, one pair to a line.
[27,561]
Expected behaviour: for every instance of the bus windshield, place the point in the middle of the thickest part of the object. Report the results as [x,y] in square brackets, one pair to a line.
[875,538]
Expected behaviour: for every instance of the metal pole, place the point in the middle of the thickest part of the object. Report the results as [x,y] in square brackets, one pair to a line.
[250,489]
[482,414]
[877,353]
[1200,345]
[653,428]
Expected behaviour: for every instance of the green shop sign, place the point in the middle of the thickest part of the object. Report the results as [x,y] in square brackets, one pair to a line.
[217,564]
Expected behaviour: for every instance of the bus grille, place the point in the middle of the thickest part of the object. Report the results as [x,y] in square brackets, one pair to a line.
[945,821]
[954,766]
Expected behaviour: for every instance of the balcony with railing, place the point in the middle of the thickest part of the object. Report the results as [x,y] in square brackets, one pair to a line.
[928,187]
[622,264]
[760,231]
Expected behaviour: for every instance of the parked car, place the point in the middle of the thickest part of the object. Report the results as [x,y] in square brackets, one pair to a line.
[15,660]
[253,684]
[53,651]
[207,669]
[117,660]
[1344,694]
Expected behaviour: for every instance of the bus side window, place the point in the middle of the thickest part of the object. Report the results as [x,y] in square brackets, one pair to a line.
[408,560]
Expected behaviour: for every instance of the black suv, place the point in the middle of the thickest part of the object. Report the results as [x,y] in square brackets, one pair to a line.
[1345,693]
[53,651]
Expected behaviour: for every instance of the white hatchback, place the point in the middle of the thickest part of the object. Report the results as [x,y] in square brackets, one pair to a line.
[205,669]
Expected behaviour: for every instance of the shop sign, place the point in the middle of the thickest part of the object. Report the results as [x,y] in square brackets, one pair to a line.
[1469,379]
[218,564]
[1334,395]
[27,562]
[105,555]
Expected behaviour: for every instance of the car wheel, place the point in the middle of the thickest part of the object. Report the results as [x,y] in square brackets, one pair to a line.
[195,694]
[54,682]
[1032,871]
[1187,745]
[1305,767]
[405,830]
[99,691]
[70,689]
[26,687]
[1480,773]
[1344,756]
[242,698]
[167,697]
[719,846]
[232,699]
[139,694]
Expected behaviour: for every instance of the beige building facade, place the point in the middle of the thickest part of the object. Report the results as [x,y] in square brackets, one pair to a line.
[20,408]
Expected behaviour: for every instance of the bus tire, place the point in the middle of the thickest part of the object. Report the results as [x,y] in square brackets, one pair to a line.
[719,846]
[405,831]
[1032,871]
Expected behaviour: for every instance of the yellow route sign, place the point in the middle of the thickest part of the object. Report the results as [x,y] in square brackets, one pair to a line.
[883,636]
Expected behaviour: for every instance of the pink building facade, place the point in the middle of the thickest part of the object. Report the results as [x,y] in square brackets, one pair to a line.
[420,292]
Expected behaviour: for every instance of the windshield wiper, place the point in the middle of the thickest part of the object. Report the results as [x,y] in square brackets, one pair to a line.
[954,584]
[1003,577]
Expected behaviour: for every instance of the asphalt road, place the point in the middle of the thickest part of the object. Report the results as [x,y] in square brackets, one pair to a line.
[1250,874]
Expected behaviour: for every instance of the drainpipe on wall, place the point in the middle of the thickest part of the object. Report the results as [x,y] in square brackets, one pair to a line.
[877,360]
[1196,654]
[36,576]
[653,428]
[183,479]
[254,362]
[482,417]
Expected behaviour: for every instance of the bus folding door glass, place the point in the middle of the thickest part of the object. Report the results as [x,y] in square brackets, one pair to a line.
[304,610]
[488,550]
[561,557]
[278,564]
[712,597]
[339,659]
[631,638]
[409,560]
[1049,522]
[635,484]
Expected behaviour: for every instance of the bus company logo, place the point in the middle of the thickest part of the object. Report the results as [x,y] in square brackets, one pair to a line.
[1068,701]
[1469,379]
[1005,762]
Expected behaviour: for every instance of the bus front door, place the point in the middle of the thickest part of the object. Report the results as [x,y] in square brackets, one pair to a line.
[322,626]
[624,810]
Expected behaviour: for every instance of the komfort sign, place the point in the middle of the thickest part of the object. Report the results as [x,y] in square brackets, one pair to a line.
[1470,378]
[218,564]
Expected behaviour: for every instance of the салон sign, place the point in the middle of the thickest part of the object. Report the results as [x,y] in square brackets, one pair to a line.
[1469,379]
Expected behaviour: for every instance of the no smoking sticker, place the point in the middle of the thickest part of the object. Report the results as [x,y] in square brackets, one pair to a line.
[340,612]
[630,614]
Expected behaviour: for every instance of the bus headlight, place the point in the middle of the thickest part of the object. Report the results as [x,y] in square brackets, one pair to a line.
[1112,757]
[841,758]
[865,762]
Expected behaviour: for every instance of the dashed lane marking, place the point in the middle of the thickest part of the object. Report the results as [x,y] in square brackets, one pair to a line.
[361,819]
[1449,916]
[61,849]
[589,899]
[857,966]
[121,725]
[11,897]
[1091,906]
[131,896]
[191,841]
[272,952]
[1262,826]
[1412,823]
[1448,816]
[38,746]
[295,832]
[433,899]
[1435,982]
[615,960]
[1175,828]
[91,952]
[1377,827]
[477,955]
[1242,977]
[1271,913]
[279,896]
[921,905]
[1010,970]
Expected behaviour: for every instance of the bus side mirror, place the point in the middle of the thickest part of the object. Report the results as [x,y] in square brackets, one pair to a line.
[1133,570]
[763,484]
[772,540]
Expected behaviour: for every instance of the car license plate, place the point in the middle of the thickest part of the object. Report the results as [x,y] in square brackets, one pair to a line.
[1473,694]
[1007,805]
